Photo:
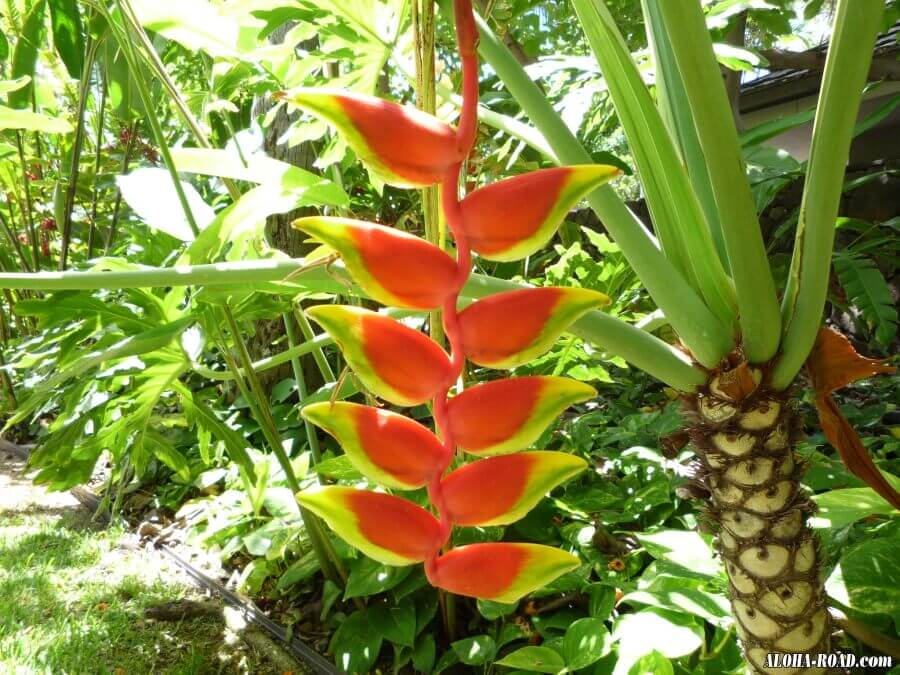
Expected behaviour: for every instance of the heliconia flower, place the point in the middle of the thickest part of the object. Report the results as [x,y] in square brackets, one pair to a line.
[386,447]
[393,361]
[391,266]
[508,415]
[508,329]
[501,490]
[500,572]
[388,529]
[405,147]
[513,218]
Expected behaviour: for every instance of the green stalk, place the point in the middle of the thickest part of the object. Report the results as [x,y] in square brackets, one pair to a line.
[301,386]
[327,557]
[92,231]
[117,206]
[707,338]
[638,347]
[676,212]
[317,352]
[29,211]
[288,355]
[713,120]
[14,241]
[846,68]
[676,113]
[124,39]
[84,92]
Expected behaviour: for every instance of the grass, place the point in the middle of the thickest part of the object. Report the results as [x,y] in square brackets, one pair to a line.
[72,601]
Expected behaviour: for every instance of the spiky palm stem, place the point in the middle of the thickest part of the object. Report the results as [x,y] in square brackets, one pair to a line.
[745,435]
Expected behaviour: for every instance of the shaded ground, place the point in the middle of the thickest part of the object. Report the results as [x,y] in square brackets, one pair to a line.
[72,596]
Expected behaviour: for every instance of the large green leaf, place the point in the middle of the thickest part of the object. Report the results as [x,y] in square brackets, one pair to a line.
[11,118]
[867,578]
[669,633]
[868,291]
[67,35]
[152,196]
[26,52]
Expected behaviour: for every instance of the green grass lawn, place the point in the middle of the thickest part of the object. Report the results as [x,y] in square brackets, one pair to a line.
[72,600]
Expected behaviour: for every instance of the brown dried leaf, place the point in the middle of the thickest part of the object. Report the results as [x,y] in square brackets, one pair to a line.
[834,364]
[737,383]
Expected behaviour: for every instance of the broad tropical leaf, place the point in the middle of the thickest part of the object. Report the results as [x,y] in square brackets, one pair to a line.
[501,490]
[508,329]
[499,572]
[508,415]
[388,529]
[391,266]
[395,362]
[386,447]
[405,147]
[867,289]
[513,218]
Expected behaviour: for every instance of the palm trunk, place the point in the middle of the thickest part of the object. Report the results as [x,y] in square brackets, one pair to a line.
[745,435]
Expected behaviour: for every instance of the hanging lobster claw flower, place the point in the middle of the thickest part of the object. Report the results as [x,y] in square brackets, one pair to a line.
[391,266]
[405,147]
[393,361]
[388,448]
[509,415]
[508,329]
[500,572]
[501,490]
[388,529]
[513,218]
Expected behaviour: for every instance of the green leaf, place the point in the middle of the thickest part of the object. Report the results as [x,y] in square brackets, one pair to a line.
[152,196]
[868,291]
[837,508]
[299,571]
[867,578]
[355,645]
[397,624]
[672,634]
[534,659]
[684,548]
[475,651]
[601,600]
[424,653]
[653,663]
[67,35]
[368,577]
[25,54]
[32,121]
[586,641]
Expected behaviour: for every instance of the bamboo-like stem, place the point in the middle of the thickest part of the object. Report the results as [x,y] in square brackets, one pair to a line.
[707,338]
[846,67]
[327,557]
[757,303]
[426,99]
[92,231]
[311,437]
[175,96]
[155,126]
[29,211]
[84,92]
[117,206]
[14,241]
[319,341]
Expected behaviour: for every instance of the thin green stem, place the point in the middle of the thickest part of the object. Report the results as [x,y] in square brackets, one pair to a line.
[84,92]
[125,42]
[319,341]
[29,210]
[95,193]
[299,378]
[331,564]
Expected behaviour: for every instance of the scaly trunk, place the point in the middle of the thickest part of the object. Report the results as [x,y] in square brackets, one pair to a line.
[745,434]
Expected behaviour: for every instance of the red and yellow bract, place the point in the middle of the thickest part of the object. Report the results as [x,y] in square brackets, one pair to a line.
[503,221]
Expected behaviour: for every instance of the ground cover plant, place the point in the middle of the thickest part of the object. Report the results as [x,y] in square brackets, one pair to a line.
[641,471]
